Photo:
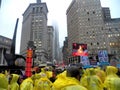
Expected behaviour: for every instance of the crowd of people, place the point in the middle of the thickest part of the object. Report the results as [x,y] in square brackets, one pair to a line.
[71,78]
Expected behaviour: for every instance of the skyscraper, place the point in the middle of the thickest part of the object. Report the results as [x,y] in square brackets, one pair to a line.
[106,14]
[50,43]
[34,28]
[65,50]
[89,23]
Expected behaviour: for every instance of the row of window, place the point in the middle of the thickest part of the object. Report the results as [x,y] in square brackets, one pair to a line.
[98,44]
[115,44]
[114,35]
[37,9]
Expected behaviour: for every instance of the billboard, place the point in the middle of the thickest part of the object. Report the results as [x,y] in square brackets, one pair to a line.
[103,57]
[79,49]
[85,60]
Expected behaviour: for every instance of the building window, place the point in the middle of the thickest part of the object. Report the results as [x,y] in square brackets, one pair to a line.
[35,34]
[102,28]
[37,9]
[109,35]
[33,10]
[91,44]
[93,12]
[88,19]
[110,44]
[88,13]
[41,9]
[97,43]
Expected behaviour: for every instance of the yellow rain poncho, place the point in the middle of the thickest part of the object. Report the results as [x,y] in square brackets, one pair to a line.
[49,74]
[84,77]
[66,83]
[13,83]
[60,78]
[3,82]
[44,84]
[92,81]
[111,71]
[112,81]
[37,76]
[101,74]
[48,71]
[27,84]
[74,87]
[35,79]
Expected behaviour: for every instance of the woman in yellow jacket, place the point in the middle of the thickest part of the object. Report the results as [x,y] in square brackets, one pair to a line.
[27,84]
[13,85]
[112,81]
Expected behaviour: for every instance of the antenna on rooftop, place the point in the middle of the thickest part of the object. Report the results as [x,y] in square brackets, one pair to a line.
[38,1]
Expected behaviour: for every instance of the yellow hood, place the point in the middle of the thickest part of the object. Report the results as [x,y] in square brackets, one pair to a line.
[92,71]
[3,82]
[14,78]
[111,70]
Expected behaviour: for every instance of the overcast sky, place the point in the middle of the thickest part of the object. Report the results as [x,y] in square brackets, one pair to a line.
[13,9]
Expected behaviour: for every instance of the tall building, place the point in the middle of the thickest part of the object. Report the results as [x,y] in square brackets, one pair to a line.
[112,29]
[56,45]
[60,60]
[65,50]
[89,23]
[50,43]
[34,28]
[4,43]
[106,14]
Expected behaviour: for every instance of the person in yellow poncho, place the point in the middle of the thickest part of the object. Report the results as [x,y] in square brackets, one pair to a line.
[44,83]
[3,82]
[60,81]
[92,81]
[27,84]
[83,80]
[112,81]
[13,82]
[101,74]
[68,80]
[35,77]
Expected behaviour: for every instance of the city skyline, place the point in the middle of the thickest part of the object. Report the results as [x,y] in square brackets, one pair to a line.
[55,15]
